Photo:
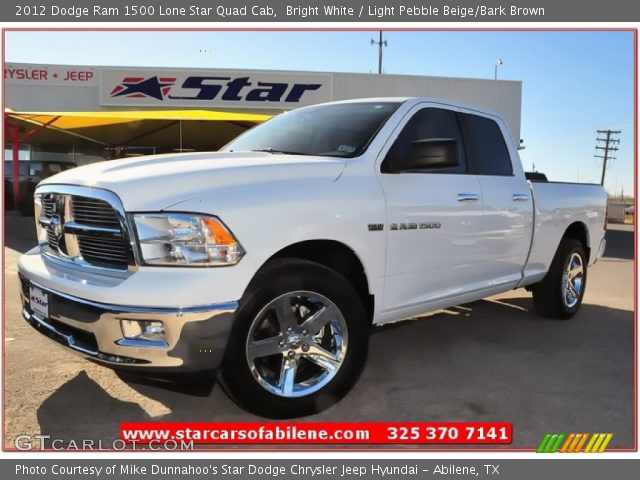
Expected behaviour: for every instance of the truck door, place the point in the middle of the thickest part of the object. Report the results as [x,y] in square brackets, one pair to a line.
[506,198]
[434,216]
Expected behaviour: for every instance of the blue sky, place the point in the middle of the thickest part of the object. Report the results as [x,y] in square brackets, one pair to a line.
[574,83]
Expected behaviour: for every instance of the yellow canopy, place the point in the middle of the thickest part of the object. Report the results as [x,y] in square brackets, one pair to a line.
[76,120]
[160,129]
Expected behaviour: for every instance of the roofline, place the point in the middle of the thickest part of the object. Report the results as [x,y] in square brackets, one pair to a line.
[411,101]
[249,70]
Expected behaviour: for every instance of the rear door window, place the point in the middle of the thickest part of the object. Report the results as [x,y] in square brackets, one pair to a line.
[486,150]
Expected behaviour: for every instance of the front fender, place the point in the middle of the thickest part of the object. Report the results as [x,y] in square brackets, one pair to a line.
[268,218]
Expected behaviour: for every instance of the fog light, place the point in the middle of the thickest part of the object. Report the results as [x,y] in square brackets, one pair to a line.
[143,330]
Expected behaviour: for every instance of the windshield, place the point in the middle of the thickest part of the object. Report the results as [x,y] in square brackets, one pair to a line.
[334,130]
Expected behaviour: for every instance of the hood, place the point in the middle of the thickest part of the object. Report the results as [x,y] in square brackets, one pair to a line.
[159,181]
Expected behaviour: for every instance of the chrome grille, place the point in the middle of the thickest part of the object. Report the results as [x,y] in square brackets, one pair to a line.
[94,212]
[48,205]
[48,210]
[84,229]
[103,251]
[52,240]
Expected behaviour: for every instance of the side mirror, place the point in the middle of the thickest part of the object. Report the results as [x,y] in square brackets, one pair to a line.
[427,154]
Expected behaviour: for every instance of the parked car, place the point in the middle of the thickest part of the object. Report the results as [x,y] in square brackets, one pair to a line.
[271,259]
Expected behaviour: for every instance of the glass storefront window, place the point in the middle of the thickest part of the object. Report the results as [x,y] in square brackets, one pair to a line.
[24,152]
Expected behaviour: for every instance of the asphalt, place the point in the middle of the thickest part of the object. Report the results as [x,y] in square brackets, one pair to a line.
[493,360]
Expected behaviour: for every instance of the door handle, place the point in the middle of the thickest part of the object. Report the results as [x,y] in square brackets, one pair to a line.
[520,197]
[468,197]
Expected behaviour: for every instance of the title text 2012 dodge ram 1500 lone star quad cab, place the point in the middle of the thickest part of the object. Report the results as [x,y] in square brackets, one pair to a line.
[272,258]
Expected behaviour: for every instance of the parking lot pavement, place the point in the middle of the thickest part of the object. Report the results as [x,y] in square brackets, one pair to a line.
[490,360]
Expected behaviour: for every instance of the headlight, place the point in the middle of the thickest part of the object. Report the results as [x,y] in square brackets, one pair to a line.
[185,239]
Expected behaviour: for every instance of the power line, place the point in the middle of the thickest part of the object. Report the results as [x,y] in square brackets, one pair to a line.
[607,144]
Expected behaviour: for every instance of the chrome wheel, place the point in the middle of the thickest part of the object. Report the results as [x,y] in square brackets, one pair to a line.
[296,344]
[573,280]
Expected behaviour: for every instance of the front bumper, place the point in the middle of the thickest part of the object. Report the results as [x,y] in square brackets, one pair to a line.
[195,338]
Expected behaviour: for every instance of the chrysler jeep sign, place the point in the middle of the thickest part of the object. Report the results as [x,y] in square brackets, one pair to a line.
[216,88]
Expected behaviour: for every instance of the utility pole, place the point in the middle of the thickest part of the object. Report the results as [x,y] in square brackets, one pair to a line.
[380,44]
[607,144]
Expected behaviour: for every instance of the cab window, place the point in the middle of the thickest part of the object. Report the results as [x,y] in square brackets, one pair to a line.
[428,124]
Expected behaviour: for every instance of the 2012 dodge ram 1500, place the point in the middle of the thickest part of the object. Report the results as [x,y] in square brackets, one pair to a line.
[271,259]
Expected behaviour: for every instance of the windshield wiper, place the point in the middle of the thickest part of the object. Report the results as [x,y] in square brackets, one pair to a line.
[273,150]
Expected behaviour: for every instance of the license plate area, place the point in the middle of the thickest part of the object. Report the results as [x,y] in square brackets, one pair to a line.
[39,302]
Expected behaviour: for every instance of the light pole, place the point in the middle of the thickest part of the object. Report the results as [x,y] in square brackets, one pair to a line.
[499,62]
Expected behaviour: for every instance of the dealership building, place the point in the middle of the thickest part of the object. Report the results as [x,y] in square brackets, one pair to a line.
[85,114]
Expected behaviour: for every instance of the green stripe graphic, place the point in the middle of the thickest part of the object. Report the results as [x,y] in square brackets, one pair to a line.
[551,442]
[543,443]
[558,442]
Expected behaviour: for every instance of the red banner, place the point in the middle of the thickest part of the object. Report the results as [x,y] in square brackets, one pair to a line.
[318,433]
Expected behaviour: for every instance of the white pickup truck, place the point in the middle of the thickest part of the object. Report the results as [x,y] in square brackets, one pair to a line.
[270,260]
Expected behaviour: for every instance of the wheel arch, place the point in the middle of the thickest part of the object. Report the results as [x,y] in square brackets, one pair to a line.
[335,255]
[580,232]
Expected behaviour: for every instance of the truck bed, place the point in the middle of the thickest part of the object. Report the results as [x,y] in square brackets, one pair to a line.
[556,206]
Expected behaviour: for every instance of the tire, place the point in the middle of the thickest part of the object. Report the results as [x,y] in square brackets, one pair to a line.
[273,366]
[554,298]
